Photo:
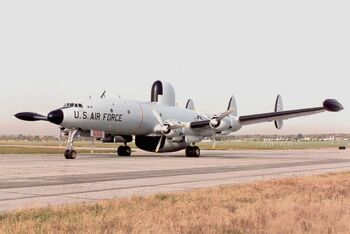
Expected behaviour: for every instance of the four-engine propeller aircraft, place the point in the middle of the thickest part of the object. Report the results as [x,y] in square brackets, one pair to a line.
[159,125]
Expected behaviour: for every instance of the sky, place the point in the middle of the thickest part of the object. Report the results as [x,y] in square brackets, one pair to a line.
[52,52]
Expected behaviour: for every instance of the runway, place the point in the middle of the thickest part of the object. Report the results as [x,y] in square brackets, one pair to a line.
[41,180]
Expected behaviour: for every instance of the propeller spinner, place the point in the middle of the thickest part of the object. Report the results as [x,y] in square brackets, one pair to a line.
[55,116]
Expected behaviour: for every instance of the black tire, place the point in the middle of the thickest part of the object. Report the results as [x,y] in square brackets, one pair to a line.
[66,154]
[70,154]
[127,151]
[196,152]
[121,151]
[124,151]
[189,151]
[73,154]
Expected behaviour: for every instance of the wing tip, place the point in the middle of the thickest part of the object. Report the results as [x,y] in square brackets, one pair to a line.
[332,105]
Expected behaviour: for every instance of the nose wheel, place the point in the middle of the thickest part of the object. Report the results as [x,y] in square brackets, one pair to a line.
[124,151]
[193,151]
[70,153]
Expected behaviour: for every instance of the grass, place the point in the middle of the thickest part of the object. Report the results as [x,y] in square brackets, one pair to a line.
[314,204]
[49,150]
[54,143]
[257,145]
[31,147]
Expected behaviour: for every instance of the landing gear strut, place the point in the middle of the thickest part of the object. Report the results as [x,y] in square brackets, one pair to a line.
[193,151]
[124,150]
[70,153]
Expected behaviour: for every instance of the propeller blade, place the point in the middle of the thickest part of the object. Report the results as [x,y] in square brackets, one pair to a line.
[176,126]
[159,144]
[60,137]
[30,116]
[225,114]
[157,117]
[214,142]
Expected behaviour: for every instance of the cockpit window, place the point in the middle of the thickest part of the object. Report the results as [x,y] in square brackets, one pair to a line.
[68,105]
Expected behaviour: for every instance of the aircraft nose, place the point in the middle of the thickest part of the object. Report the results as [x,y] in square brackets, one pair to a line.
[55,116]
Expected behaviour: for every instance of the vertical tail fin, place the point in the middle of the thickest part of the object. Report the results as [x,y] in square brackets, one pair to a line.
[278,108]
[232,105]
[190,105]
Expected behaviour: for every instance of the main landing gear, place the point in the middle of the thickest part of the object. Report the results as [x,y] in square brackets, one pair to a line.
[70,153]
[193,151]
[124,150]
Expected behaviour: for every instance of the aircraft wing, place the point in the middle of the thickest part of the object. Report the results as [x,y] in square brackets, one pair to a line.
[331,105]
[328,105]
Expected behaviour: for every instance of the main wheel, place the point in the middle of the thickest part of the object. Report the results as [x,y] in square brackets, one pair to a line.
[189,151]
[124,151]
[196,152]
[120,151]
[70,154]
[66,154]
[127,151]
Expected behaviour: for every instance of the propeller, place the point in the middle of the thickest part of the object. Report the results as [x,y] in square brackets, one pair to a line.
[164,128]
[55,116]
[30,116]
[214,142]
[215,121]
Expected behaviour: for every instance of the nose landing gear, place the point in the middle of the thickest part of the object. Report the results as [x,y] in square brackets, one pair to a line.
[70,153]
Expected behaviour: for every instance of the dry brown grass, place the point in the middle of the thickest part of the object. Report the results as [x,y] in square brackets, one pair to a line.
[317,204]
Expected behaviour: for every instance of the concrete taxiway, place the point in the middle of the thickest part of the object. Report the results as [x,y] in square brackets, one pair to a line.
[40,180]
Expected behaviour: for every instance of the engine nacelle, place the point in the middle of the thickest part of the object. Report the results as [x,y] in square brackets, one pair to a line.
[230,123]
[173,132]
[149,143]
[170,129]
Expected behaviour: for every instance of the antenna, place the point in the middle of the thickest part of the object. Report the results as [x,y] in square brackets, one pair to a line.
[103,94]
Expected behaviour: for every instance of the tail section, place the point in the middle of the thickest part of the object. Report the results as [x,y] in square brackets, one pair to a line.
[279,108]
[190,105]
[233,106]
[163,93]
